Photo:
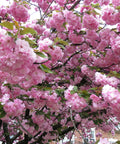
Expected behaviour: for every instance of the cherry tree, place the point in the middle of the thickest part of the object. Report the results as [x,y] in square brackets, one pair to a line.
[60,72]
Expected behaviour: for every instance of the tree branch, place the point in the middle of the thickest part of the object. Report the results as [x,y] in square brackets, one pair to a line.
[27,112]
[23,127]
[28,1]
[77,52]
[15,137]
[47,9]
[76,127]
[6,134]
[74,5]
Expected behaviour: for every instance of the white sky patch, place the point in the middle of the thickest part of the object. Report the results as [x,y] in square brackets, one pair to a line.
[5,3]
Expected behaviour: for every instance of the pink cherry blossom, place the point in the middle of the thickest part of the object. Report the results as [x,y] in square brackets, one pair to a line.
[90,22]
[14,108]
[19,12]
[110,16]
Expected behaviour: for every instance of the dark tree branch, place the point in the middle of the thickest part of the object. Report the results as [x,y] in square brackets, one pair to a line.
[16,136]
[47,9]
[26,140]
[74,125]
[77,52]
[0,123]
[40,139]
[23,127]
[6,134]
[74,5]
[27,112]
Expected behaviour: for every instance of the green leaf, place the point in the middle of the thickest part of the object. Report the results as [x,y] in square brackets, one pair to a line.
[16,25]
[49,15]
[28,30]
[97,141]
[118,8]
[98,121]
[60,91]
[82,32]
[47,116]
[94,88]
[63,100]
[88,12]
[74,90]
[64,24]
[85,94]
[7,25]
[10,34]
[36,127]
[77,14]
[41,22]
[8,85]
[39,112]
[95,12]
[32,43]
[114,74]
[26,98]
[59,40]
[117,142]
[43,88]
[94,68]
[41,54]
[62,46]
[1,106]
[2,112]
[84,115]
[45,68]
[97,6]
[57,11]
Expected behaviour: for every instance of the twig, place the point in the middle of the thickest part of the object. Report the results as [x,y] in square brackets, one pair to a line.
[101,28]
[74,5]
[23,127]
[30,3]
[41,17]
[77,52]
[114,124]
[75,126]
[35,6]
[47,9]
[74,123]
